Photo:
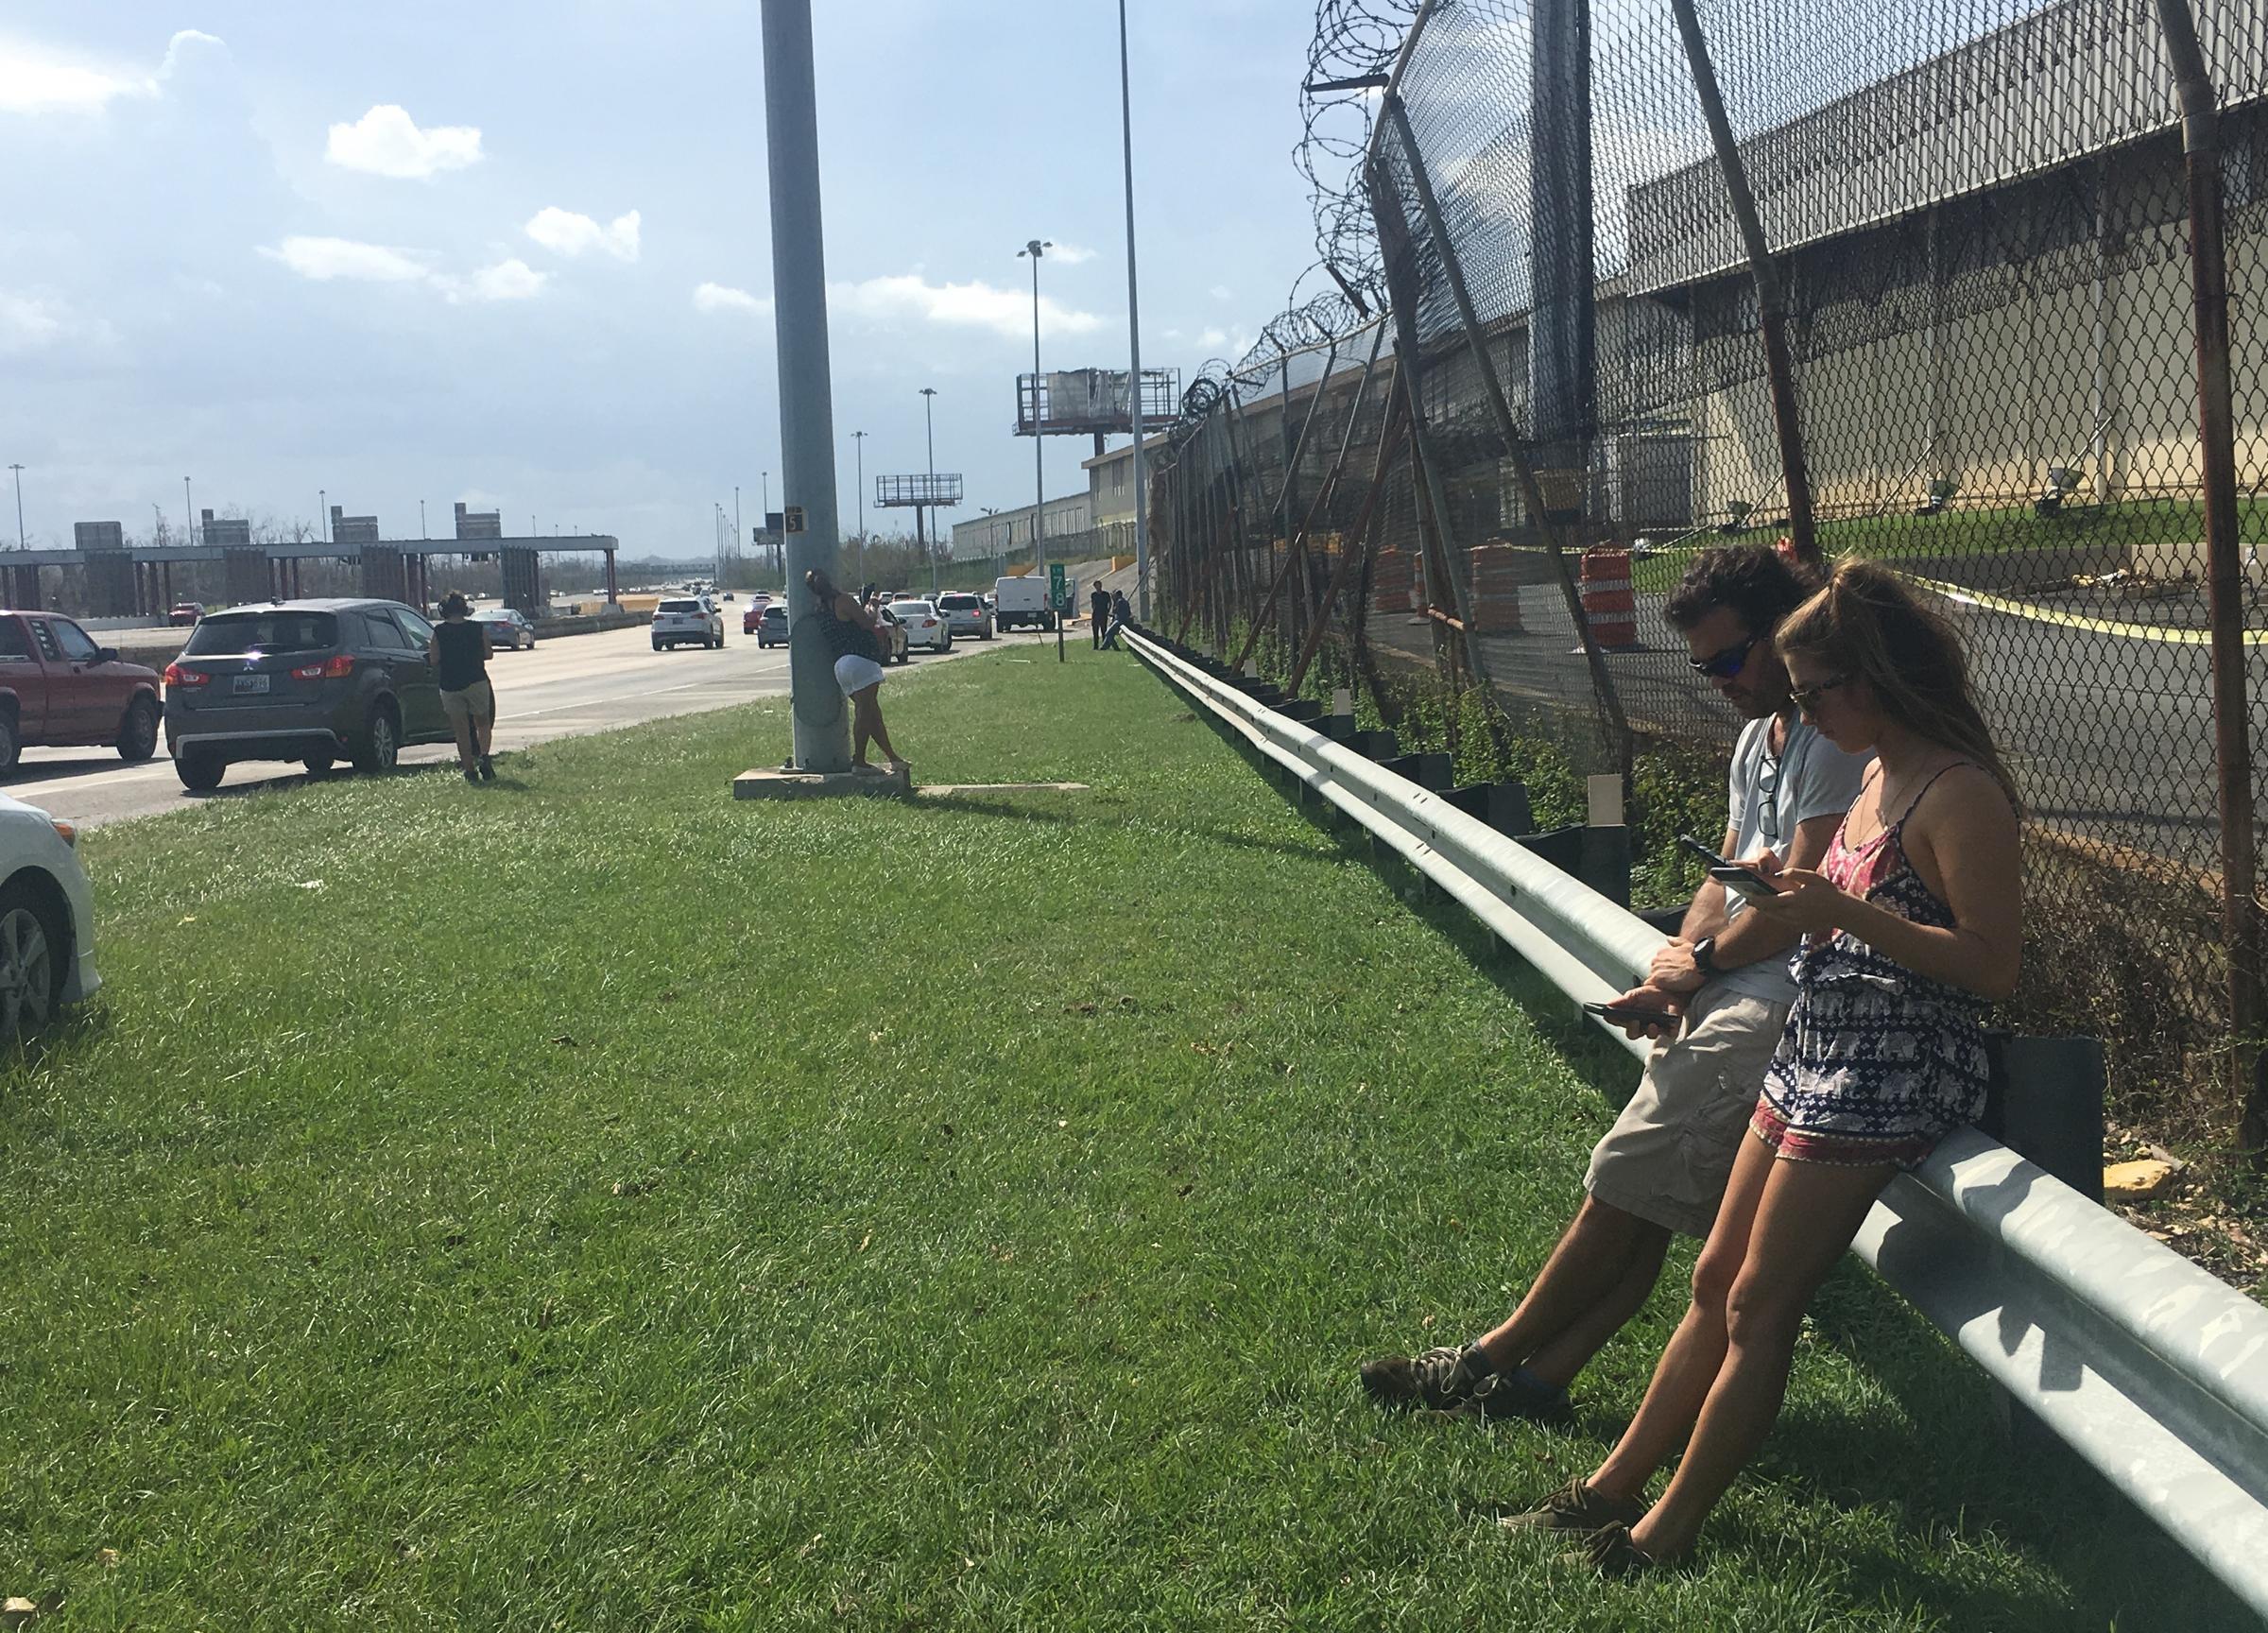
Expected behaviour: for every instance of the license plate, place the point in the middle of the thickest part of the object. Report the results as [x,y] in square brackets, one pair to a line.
[247,685]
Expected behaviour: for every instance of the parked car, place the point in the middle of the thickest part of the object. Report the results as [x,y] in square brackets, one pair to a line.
[924,626]
[966,615]
[679,620]
[186,613]
[1021,603]
[58,689]
[893,627]
[46,921]
[771,625]
[314,681]
[506,627]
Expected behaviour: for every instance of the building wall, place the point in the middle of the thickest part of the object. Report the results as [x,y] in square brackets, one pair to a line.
[1008,531]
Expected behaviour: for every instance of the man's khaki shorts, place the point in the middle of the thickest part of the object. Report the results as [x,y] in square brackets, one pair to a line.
[473,702]
[1669,1154]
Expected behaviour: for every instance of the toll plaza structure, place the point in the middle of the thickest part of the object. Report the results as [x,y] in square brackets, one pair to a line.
[125,581]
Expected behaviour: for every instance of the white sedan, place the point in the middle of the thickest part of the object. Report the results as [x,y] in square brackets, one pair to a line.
[46,921]
[925,627]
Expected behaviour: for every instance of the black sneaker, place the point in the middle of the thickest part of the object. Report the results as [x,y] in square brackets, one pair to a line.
[1510,1395]
[1439,1380]
[474,778]
[1577,1507]
[487,769]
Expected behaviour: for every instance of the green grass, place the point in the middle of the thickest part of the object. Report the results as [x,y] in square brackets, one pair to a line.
[1981,531]
[590,1203]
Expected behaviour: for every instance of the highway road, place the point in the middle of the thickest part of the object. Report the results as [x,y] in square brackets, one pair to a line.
[563,688]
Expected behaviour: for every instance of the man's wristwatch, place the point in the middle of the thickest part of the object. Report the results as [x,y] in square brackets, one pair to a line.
[1705,957]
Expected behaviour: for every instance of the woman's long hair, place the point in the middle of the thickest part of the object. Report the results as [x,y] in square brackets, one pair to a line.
[1867,624]
[822,590]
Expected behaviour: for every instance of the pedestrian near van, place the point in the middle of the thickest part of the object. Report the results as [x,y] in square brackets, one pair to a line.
[852,633]
[1911,925]
[1724,978]
[1120,613]
[1098,612]
[460,652]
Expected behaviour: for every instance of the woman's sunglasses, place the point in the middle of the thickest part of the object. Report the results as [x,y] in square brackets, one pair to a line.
[1806,698]
[1726,665]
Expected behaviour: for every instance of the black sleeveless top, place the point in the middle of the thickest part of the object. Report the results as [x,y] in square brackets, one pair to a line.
[844,639]
[463,654]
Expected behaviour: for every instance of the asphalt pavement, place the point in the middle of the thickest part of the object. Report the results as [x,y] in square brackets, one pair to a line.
[563,687]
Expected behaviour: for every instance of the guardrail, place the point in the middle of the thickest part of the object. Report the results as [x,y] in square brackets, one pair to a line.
[2150,1369]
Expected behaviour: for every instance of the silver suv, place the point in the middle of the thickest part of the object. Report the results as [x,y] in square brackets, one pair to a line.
[679,620]
[965,614]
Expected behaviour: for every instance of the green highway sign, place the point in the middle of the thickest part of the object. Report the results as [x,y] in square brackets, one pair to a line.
[1057,592]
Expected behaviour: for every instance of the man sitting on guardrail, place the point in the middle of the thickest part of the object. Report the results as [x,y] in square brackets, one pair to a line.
[1662,1167]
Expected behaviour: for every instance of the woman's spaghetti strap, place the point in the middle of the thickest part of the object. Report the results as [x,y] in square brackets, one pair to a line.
[1913,804]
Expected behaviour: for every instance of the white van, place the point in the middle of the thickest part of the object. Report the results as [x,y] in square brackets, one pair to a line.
[1021,603]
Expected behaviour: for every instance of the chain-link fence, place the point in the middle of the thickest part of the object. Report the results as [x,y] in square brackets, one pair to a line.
[1540,379]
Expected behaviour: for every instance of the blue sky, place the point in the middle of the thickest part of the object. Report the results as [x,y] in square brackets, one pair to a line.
[518,253]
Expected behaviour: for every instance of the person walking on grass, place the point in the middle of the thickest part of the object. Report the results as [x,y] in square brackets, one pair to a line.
[1098,612]
[1911,925]
[1120,613]
[460,652]
[1662,1166]
[853,638]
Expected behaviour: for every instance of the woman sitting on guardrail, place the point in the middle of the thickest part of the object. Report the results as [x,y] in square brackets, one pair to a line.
[853,633]
[1911,925]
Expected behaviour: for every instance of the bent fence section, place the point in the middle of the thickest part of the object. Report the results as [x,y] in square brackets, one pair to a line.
[2150,1369]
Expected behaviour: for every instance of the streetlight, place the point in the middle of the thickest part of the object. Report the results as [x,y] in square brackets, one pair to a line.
[19,471]
[1142,538]
[1035,250]
[859,439]
[322,506]
[737,535]
[421,532]
[188,513]
[928,428]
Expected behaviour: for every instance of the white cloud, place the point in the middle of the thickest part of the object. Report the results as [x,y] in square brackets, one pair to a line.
[324,259]
[1071,254]
[724,298]
[1220,292]
[512,280]
[27,321]
[973,304]
[1212,337]
[33,81]
[564,232]
[386,141]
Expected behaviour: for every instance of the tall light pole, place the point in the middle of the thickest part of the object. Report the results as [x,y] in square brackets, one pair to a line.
[1141,536]
[421,532]
[858,439]
[322,506]
[737,534]
[188,510]
[19,471]
[1037,248]
[822,737]
[779,543]
[929,397]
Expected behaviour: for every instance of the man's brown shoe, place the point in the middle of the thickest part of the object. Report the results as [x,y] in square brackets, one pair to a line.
[1577,1507]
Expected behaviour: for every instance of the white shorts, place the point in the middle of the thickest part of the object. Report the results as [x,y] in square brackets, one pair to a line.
[854,674]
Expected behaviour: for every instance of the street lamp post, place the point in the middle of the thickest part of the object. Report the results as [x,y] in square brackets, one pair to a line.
[422,530]
[19,471]
[1141,536]
[1037,248]
[737,535]
[322,506]
[188,510]
[929,395]
[859,440]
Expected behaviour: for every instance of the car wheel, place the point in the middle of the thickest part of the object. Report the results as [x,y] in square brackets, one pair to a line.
[31,961]
[11,742]
[200,770]
[381,745]
[986,633]
[138,734]
[318,765]
[656,645]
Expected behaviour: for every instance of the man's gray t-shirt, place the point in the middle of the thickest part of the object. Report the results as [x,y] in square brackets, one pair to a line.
[1770,800]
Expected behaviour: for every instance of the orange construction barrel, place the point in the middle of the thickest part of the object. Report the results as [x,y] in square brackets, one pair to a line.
[1609,607]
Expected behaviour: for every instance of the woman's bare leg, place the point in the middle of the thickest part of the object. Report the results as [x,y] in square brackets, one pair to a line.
[870,699]
[861,725]
[1809,1214]
[1687,1368]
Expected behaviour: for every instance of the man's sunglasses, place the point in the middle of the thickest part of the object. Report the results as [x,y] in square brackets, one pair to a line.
[1726,665]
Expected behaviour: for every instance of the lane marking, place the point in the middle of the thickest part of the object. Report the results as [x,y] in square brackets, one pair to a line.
[2075,620]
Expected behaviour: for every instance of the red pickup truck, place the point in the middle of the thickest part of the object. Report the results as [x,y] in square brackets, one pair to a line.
[58,688]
